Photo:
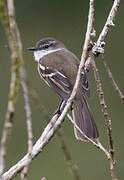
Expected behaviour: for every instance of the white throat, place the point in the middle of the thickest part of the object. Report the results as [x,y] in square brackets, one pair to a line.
[41,53]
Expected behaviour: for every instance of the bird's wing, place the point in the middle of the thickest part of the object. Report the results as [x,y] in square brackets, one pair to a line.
[84,83]
[57,80]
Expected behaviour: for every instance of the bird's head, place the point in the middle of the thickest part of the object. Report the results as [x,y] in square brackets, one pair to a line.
[46,46]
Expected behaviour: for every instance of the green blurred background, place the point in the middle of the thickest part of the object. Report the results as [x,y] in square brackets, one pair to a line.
[66,21]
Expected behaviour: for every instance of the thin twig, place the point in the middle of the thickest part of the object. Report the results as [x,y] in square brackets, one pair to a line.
[28,118]
[110,75]
[22,71]
[8,123]
[18,74]
[23,78]
[104,109]
[108,122]
[14,85]
[94,142]
[96,50]
[37,148]
[83,56]
[72,166]
[98,144]
[98,47]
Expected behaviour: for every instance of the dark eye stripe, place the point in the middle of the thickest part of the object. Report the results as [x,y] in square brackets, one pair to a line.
[45,46]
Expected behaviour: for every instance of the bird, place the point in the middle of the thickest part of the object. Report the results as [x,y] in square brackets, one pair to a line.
[58,67]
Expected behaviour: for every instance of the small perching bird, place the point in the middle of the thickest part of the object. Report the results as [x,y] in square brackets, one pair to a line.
[58,67]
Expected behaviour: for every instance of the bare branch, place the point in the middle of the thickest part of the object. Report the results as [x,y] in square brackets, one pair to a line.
[98,48]
[108,122]
[98,144]
[22,71]
[14,85]
[117,89]
[28,118]
[23,78]
[18,73]
[8,123]
[104,108]
[37,148]
[72,166]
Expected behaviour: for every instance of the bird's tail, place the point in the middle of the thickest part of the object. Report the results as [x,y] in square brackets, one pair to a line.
[83,119]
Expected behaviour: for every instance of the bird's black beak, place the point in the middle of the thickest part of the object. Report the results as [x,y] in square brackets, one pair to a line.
[32,49]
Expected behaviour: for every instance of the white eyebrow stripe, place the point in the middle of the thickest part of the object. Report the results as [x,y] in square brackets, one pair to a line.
[41,53]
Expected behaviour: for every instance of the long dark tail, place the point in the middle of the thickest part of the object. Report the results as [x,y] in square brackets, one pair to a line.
[83,119]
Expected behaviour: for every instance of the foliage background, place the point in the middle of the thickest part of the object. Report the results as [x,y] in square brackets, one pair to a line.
[66,21]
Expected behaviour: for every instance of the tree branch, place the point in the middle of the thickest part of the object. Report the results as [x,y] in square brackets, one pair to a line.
[14,84]
[72,166]
[18,74]
[108,121]
[98,47]
[110,75]
[27,108]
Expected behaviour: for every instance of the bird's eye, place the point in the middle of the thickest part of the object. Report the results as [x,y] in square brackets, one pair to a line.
[46,46]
